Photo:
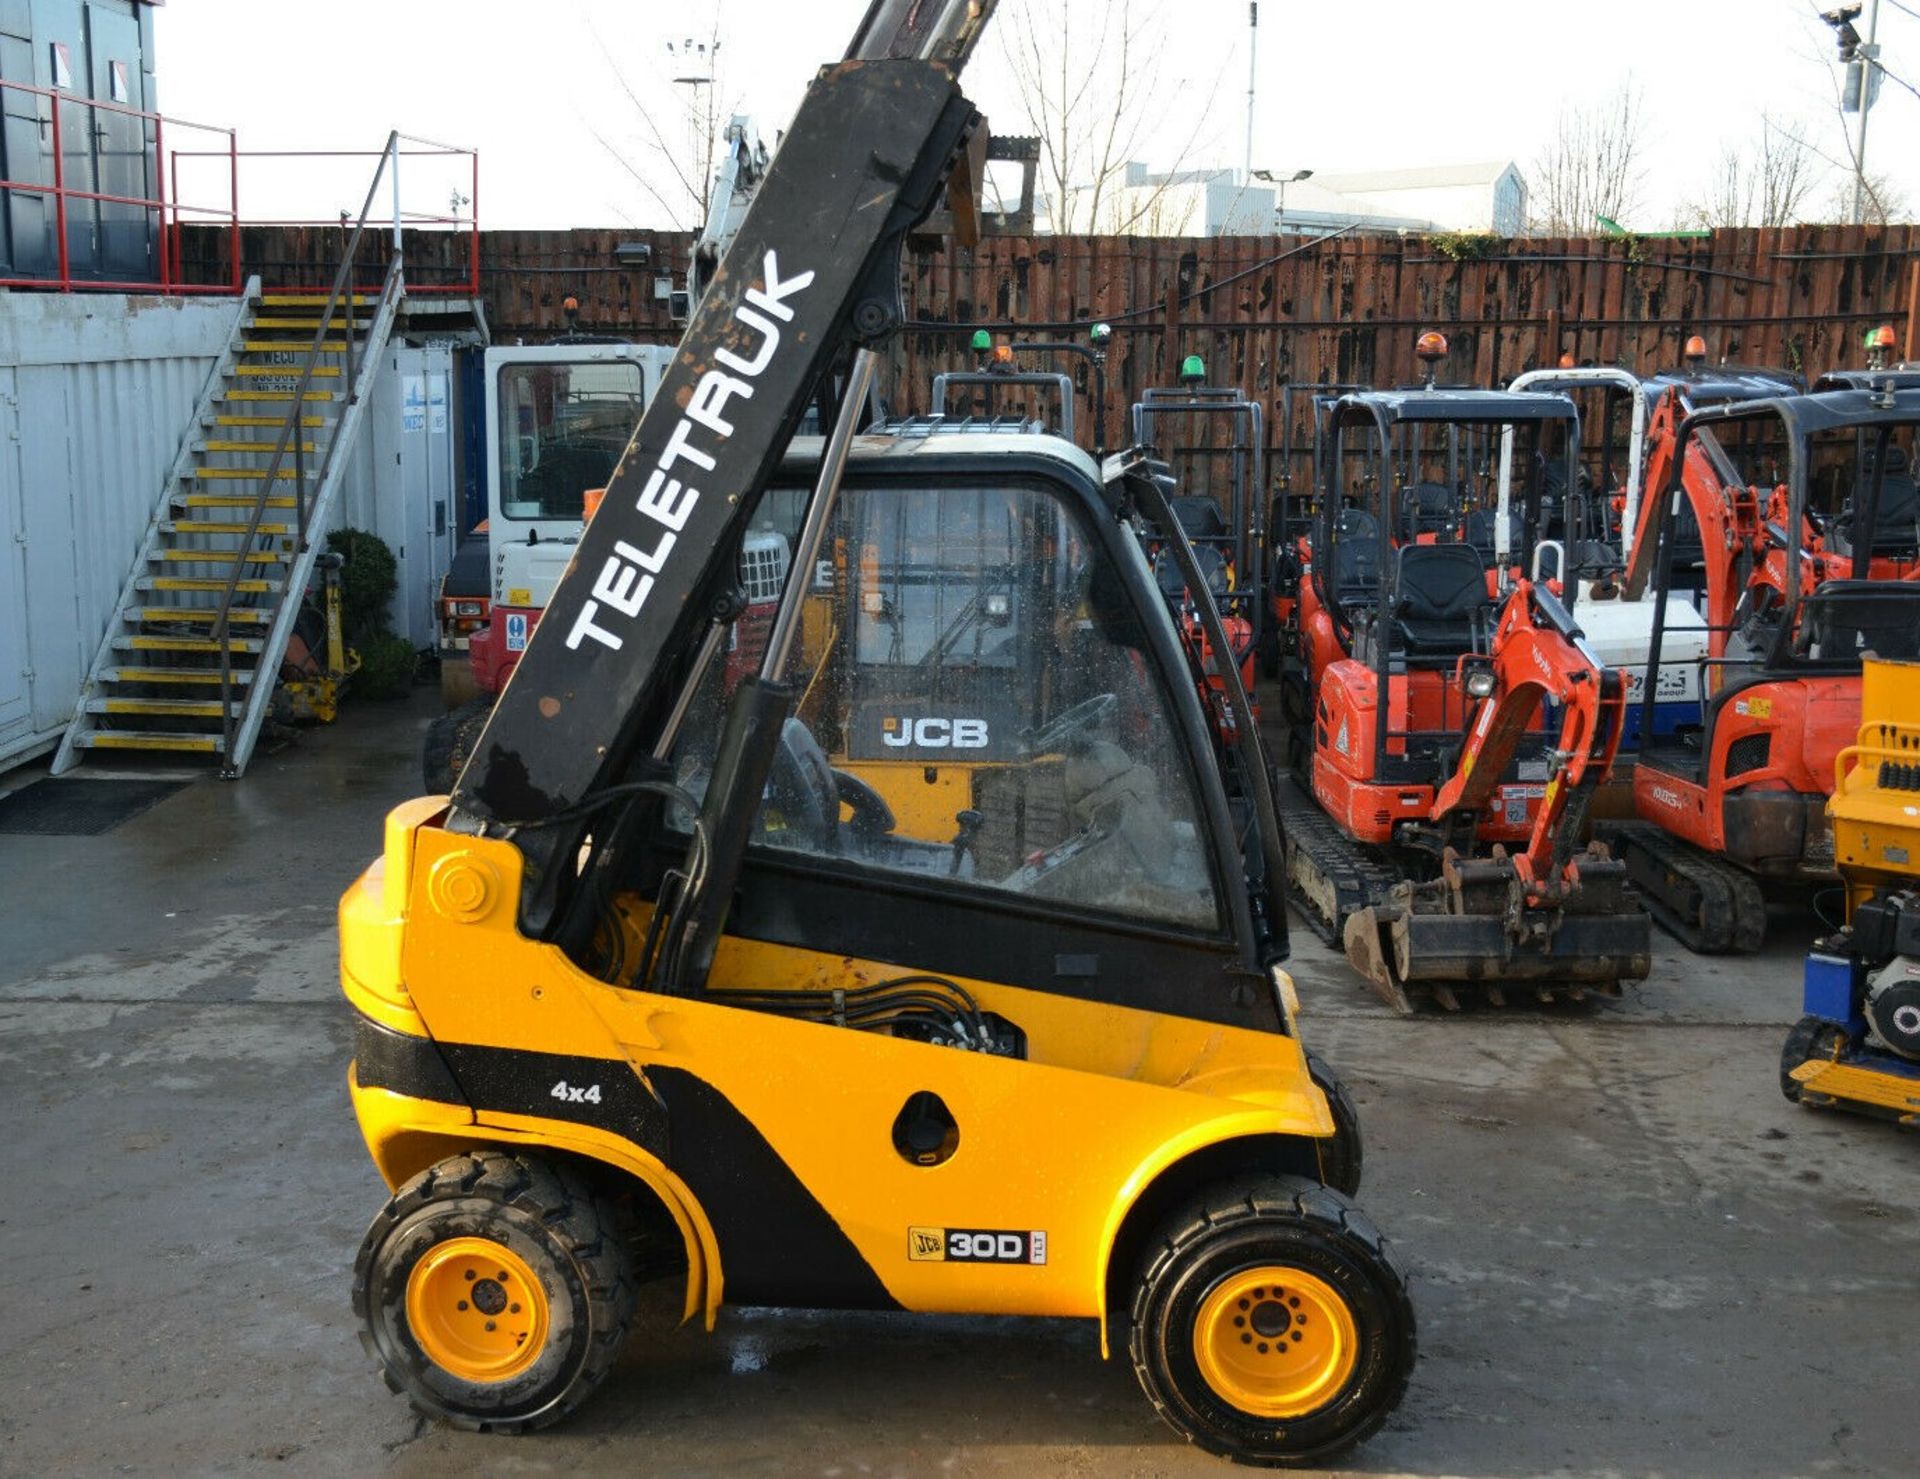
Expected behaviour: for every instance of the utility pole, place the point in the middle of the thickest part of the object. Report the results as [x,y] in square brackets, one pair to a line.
[1253,59]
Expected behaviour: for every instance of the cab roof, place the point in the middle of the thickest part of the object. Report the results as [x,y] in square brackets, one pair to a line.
[910,443]
[1395,406]
[1821,411]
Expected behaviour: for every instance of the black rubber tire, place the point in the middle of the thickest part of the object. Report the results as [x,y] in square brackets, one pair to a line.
[575,1242]
[450,740]
[1343,1157]
[1812,1037]
[1260,1220]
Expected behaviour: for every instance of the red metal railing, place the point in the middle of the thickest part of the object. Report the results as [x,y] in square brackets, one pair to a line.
[163,212]
[166,213]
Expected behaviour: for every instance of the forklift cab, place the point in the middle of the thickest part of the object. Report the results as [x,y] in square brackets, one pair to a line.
[988,703]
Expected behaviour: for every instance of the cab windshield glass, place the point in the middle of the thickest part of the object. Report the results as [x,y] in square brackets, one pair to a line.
[562,428]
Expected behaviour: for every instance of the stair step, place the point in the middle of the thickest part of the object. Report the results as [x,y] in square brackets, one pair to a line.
[139,739]
[280,322]
[239,676]
[319,372]
[277,395]
[178,708]
[232,500]
[224,556]
[262,448]
[241,616]
[196,583]
[316,299]
[221,526]
[292,346]
[258,474]
[148,643]
[275,422]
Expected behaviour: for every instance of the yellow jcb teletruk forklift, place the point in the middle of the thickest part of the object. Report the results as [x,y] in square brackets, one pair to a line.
[658,985]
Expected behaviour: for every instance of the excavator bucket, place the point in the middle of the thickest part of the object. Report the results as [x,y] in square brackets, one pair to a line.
[1476,928]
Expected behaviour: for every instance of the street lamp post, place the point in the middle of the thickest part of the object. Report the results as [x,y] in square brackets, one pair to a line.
[1280,181]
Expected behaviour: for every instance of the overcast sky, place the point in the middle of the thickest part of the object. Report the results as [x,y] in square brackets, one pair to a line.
[541,90]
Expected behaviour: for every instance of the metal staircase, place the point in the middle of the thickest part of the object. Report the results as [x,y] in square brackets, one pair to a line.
[190,660]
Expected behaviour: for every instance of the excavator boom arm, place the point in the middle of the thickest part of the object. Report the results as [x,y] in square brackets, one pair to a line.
[1539,654]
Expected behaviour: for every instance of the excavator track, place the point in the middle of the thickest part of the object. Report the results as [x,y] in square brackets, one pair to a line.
[1330,877]
[1710,906]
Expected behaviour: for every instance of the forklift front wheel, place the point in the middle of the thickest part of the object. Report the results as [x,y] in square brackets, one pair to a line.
[1342,1157]
[495,1291]
[1270,1324]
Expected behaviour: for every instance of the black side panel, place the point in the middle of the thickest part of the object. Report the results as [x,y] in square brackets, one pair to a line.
[605,1093]
[401,1064]
[778,1245]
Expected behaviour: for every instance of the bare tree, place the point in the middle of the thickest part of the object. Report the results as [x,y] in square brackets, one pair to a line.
[679,114]
[1591,166]
[1761,183]
[1885,201]
[1088,79]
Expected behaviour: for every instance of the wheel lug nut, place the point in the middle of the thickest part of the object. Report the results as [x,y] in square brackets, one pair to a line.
[489,1324]
[513,1309]
[462,1304]
[470,1276]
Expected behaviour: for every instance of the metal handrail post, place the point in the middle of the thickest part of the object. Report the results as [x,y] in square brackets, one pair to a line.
[60,197]
[393,158]
[233,204]
[160,185]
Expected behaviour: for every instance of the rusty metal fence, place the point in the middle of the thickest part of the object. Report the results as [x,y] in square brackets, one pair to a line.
[1264,312]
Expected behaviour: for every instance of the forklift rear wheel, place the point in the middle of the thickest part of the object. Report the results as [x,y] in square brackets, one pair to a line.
[1270,1324]
[495,1291]
[1341,1157]
[1812,1037]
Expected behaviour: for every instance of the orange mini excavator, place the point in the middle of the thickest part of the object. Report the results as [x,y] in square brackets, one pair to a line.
[1800,518]
[1436,838]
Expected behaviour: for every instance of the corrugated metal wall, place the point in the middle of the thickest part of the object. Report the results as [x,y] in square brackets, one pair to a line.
[96,392]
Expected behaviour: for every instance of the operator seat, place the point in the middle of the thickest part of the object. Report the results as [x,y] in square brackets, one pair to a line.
[1440,605]
[1356,554]
[1426,508]
[1173,584]
[1484,523]
[1896,526]
[1200,519]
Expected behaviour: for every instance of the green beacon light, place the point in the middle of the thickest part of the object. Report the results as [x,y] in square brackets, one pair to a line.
[1193,370]
[982,341]
[1100,333]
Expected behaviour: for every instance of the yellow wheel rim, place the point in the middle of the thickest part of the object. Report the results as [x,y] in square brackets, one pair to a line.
[1275,1341]
[477,1309]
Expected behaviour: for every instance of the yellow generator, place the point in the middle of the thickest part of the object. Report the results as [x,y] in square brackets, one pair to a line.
[1857,1046]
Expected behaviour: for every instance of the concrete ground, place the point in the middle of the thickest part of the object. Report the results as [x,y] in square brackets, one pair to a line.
[1629,1254]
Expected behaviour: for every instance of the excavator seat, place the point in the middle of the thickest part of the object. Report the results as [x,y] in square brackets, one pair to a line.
[1844,619]
[1426,508]
[1356,555]
[1896,526]
[1484,523]
[1173,585]
[1440,603]
[1200,519]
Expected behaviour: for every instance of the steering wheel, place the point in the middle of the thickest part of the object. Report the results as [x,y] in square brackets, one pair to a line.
[1063,727]
[872,817]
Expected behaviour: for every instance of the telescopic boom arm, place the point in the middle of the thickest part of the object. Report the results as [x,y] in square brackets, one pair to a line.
[813,266]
